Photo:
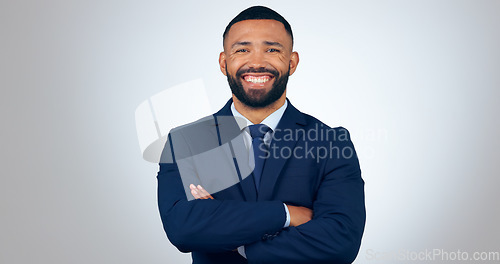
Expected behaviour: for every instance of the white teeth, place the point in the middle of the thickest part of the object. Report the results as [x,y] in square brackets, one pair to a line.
[253,79]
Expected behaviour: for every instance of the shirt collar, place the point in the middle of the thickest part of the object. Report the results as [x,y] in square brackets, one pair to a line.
[271,121]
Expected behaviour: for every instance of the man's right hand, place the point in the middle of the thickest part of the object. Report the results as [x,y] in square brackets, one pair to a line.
[299,215]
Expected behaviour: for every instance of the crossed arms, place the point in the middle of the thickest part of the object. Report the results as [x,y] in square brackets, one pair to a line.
[333,235]
[298,214]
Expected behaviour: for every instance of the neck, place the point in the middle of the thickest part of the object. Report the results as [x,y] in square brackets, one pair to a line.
[257,115]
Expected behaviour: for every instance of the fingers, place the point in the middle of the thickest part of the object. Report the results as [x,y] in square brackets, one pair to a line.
[194,192]
[199,192]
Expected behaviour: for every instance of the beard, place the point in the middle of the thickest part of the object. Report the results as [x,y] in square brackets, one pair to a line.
[258,98]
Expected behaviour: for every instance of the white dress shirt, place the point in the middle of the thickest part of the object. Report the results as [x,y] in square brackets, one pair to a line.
[271,121]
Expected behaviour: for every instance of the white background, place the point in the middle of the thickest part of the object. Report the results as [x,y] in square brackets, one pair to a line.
[416,82]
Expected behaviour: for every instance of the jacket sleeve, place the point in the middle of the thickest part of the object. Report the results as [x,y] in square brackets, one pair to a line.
[211,225]
[334,234]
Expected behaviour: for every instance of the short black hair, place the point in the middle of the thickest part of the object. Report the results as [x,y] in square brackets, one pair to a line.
[258,12]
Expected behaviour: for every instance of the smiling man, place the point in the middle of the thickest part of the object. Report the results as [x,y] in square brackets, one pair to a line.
[259,181]
[257,62]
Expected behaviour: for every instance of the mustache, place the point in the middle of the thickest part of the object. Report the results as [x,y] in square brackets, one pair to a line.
[257,70]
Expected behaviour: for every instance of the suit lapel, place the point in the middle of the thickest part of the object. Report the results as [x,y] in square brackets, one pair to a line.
[291,120]
[228,132]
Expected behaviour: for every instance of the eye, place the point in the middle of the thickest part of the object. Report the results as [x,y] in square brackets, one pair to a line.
[241,50]
[273,50]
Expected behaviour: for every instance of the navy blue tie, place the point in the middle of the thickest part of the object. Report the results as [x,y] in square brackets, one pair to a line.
[260,150]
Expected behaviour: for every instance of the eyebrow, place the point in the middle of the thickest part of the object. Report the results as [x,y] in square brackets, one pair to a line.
[267,43]
[241,43]
[273,43]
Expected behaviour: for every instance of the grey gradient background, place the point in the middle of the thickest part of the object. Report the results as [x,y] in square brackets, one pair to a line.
[416,82]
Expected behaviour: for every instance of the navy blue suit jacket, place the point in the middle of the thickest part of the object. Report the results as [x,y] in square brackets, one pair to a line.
[322,174]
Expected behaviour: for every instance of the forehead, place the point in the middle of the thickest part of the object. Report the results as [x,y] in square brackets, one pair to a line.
[258,30]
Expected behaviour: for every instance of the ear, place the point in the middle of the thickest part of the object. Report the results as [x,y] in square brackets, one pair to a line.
[294,61]
[222,62]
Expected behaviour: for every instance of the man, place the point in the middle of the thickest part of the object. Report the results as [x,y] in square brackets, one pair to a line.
[259,181]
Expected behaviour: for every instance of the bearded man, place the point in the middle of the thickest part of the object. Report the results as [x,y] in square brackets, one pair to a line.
[250,184]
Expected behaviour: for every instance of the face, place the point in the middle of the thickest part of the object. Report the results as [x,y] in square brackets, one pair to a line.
[257,60]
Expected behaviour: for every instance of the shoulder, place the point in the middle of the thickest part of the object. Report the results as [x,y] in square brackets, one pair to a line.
[314,125]
[202,123]
[189,139]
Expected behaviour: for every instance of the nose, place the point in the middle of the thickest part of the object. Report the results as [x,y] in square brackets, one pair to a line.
[257,60]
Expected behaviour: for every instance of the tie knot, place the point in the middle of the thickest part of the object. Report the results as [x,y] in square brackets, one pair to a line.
[258,131]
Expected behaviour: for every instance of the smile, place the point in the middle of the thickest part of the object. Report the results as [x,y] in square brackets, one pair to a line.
[257,79]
